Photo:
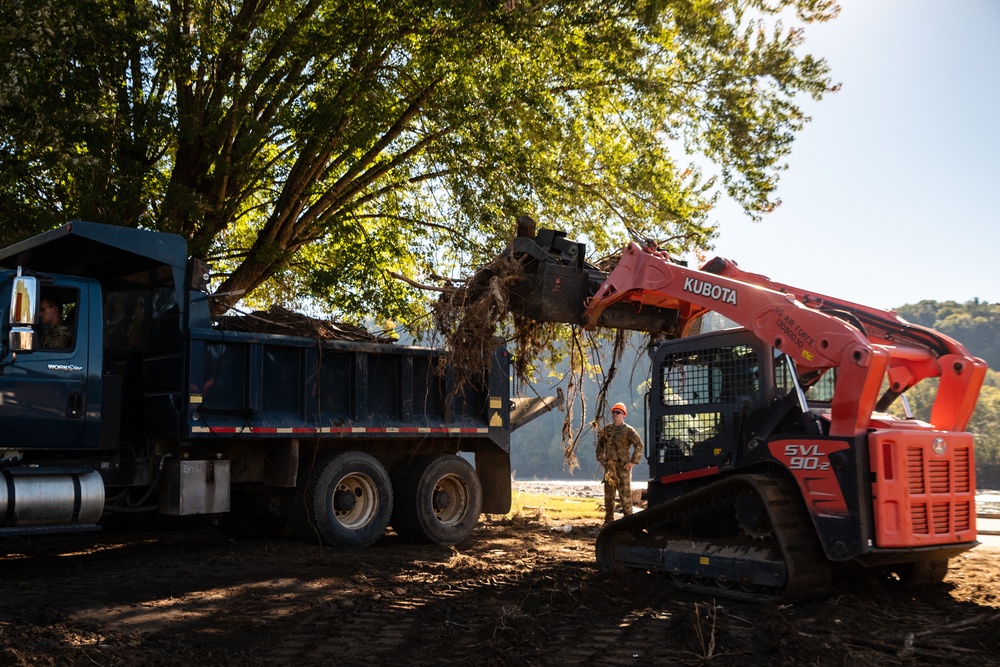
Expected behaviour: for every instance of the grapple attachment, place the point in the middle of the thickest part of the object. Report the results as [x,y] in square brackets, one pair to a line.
[558,281]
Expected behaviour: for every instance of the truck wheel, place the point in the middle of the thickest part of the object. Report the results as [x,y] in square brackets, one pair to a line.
[351,500]
[442,499]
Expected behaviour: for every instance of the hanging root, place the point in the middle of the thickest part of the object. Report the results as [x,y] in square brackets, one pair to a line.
[570,436]
[617,350]
[473,318]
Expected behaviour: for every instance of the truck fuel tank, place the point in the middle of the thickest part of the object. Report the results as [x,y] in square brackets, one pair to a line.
[50,497]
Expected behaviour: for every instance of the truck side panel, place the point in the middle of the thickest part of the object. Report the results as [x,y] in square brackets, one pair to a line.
[387,400]
[262,384]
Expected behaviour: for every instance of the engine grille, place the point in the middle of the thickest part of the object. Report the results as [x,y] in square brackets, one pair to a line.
[941,477]
[922,494]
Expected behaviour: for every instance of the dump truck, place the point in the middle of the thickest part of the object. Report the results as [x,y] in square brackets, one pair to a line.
[145,407]
[773,455]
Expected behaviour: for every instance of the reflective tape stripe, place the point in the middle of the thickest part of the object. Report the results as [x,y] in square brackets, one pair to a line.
[334,430]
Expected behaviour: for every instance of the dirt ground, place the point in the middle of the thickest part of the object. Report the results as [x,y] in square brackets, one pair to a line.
[521,592]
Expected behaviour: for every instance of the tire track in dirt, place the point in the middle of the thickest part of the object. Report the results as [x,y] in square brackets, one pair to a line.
[386,629]
[517,595]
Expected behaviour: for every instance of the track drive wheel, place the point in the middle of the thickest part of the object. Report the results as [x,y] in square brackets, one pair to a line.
[621,533]
[606,549]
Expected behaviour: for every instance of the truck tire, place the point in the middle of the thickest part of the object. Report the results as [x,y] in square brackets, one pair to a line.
[442,499]
[351,500]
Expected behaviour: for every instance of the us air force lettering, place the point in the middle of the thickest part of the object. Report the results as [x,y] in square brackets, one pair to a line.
[705,288]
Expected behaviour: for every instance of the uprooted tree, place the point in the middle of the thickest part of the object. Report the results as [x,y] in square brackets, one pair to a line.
[476,312]
[308,148]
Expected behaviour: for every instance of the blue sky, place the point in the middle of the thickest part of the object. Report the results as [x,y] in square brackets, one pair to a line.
[892,194]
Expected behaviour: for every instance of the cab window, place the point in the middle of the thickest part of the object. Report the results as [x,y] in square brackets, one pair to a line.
[56,321]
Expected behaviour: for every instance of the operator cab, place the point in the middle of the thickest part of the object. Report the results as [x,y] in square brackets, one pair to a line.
[714,401]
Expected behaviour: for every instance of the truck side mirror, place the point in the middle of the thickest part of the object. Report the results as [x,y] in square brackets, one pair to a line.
[23,304]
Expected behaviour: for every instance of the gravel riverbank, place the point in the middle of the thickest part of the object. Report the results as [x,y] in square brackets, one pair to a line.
[567,488]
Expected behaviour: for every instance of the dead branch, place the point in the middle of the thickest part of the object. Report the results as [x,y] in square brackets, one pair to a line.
[280,320]
[414,283]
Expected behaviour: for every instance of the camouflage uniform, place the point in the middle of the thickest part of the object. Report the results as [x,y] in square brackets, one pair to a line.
[616,447]
[57,336]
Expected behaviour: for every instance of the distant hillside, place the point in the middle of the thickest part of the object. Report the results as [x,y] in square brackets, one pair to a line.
[975,324]
[537,449]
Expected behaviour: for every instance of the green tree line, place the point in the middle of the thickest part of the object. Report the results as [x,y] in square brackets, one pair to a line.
[975,324]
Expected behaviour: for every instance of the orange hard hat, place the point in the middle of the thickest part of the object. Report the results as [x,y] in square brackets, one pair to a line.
[620,406]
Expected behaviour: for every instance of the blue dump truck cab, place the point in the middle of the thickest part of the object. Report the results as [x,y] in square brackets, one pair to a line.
[134,402]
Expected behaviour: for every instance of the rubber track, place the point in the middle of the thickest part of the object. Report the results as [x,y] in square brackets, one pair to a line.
[807,568]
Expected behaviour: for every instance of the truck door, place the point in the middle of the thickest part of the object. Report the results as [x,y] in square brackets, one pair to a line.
[43,394]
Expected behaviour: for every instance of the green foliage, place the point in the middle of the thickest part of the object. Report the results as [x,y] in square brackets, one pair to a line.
[84,125]
[985,422]
[975,324]
[309,147]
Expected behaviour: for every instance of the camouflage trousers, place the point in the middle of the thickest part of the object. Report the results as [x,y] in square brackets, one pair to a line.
[617,479]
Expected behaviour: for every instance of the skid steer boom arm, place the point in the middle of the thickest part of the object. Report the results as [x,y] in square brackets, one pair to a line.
[817,332]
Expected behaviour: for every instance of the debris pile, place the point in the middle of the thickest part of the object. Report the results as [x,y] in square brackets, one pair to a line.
[475,315]
[280,320]
[475,318]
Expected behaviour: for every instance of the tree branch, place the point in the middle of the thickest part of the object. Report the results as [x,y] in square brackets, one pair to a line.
[432,288]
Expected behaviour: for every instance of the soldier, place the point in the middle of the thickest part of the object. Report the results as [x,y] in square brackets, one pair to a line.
[54,332]
[619,448]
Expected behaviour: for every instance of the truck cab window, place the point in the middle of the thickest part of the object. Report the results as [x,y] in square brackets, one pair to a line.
[56,322]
